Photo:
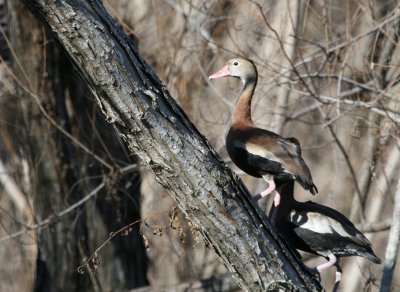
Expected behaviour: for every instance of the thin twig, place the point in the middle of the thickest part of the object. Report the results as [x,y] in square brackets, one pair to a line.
[53,218]
[54,123]
[372,105]
[367,85]
[368,165]
[89,262]
[282,46]
[283,94]
[195,24]
[375,226]
[332,48]
[346,157]
[4,35]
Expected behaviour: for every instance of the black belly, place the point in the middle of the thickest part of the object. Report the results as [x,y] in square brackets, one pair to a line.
[241,159]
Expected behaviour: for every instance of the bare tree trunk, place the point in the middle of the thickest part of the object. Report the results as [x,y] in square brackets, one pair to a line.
[373,212]
[393,245]
[158,132]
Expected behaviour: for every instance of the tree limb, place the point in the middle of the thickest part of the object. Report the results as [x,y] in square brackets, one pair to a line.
[375,226]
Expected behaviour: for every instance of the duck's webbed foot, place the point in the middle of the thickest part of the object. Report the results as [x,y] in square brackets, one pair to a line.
[257,197]
[269,190]
[315,273]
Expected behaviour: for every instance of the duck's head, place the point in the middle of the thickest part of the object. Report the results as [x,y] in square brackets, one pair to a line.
[240,68]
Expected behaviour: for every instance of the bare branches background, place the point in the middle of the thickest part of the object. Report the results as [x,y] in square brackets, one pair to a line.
[329,75]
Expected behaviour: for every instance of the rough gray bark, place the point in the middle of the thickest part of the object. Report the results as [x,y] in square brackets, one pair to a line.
[155,129]
[222,284]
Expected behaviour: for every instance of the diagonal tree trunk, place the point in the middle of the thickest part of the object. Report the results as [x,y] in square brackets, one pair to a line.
[156,130]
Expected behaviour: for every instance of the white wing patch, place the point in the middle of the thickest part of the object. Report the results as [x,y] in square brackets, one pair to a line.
[317,223]
[261,151]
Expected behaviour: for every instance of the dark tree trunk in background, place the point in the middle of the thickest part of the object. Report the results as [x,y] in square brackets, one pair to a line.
[60,173]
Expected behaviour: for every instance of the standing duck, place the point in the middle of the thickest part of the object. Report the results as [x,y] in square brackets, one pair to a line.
[259,152]
[320,230]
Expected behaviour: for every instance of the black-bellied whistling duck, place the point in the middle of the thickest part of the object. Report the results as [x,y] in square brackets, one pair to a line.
[320,230]
[259,152]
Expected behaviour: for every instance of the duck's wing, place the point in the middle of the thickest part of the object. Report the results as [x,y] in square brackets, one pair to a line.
[267,148]
[325,220]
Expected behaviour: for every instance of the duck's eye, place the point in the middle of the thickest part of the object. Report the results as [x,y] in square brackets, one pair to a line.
[235,63]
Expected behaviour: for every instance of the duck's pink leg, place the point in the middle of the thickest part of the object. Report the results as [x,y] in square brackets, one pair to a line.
[277,201]
[338,276]
[328,264]
[332,261]
[269,190]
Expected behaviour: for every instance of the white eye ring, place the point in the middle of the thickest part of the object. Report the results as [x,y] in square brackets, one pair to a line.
[235,63]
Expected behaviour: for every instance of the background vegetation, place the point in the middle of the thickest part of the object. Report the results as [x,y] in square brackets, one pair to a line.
[329,75]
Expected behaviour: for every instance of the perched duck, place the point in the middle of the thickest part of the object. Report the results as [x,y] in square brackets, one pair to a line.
[319,230]
[259,152]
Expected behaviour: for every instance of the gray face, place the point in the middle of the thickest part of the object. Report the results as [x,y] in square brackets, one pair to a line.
[242,69]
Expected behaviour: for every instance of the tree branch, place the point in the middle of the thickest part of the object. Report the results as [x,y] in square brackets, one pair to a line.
[346,157]
[375,226]
[156,130]
[57,216]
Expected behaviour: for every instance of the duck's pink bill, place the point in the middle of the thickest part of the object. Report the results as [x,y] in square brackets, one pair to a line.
[221,73]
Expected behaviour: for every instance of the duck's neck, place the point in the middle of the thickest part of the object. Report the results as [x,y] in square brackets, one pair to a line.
[287,198]
[287,201]
[242,112]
